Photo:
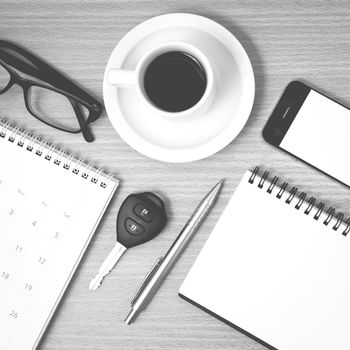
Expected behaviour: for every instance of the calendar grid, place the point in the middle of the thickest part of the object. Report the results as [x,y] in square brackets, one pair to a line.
[50,205]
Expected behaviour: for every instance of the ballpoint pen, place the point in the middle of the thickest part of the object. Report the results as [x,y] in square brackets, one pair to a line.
[162,266]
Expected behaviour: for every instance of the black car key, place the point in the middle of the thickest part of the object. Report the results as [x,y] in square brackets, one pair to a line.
[141,217]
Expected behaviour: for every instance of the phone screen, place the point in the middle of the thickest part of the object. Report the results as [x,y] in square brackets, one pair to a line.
[320,135]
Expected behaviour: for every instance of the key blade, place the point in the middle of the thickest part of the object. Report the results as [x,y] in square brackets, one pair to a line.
[107,265]
[95,282]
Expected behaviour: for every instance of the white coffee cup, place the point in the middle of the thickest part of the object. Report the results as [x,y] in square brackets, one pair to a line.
[123,78]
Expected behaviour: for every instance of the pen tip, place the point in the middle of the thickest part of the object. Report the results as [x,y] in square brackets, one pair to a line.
[94,284]
[130,317]
[219,184]
[211,196]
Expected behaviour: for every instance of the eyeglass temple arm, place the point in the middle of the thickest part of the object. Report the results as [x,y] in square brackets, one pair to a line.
[44,71]
[85,129]
[18,64]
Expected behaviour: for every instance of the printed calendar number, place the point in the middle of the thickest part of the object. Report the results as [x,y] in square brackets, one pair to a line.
[26,279]
[10,207]
[42,261]
[7,271]
[14,314]
[40,253]
[53,227]
[32,214]
[28,287]
[5,275]
[17,242]
[12,307]
[56,235]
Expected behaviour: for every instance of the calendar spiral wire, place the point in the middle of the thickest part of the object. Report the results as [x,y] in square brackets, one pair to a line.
[292,195]
[56,155]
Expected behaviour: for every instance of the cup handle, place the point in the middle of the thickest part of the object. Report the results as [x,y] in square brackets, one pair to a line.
[121,77]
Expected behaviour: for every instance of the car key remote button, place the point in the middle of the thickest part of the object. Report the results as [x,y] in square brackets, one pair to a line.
[143,213]
[133,227]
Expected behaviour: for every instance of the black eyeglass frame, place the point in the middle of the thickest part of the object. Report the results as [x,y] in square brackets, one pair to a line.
[51,80]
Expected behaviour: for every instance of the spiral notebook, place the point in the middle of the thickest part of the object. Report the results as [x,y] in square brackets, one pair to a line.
[50,206]
[276,267]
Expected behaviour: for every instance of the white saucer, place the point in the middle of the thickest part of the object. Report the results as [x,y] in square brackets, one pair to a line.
[182,140]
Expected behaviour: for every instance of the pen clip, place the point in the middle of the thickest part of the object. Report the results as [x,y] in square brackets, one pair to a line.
[150,273]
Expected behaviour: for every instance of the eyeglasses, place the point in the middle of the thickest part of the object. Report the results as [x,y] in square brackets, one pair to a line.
[52,98]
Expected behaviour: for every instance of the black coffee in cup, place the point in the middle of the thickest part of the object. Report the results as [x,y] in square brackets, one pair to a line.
[175,81]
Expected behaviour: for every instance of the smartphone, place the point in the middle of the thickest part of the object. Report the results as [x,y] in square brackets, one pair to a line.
[314,128]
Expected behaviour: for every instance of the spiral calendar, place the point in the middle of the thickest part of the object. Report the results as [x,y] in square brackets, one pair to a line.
[50,205]
[276,267]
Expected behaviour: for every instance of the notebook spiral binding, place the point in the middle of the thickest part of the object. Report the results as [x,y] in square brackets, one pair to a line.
[50,152]
[332,215]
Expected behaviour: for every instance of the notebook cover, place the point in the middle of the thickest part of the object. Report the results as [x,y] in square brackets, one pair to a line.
[278,276]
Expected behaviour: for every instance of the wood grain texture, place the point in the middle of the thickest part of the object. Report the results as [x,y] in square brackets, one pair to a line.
[308,40]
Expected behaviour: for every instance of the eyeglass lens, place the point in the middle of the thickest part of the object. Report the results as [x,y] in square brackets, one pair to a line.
[50,106]
[54,108]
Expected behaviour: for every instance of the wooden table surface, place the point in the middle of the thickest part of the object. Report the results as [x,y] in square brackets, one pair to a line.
[308,40]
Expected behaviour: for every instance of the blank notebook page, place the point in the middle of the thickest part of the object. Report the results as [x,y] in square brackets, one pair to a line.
[275,272]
